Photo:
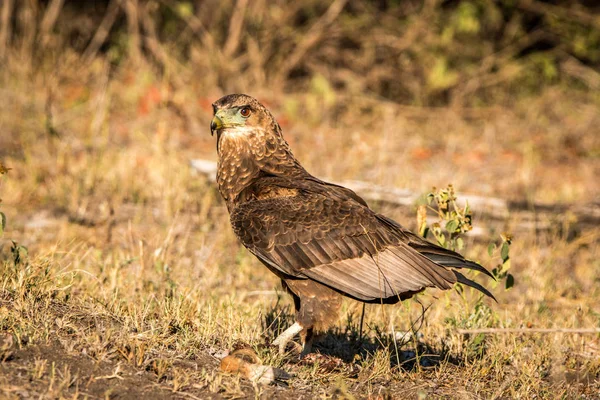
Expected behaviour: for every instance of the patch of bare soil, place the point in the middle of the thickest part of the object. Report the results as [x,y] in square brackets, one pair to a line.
[50,371]
[46,369]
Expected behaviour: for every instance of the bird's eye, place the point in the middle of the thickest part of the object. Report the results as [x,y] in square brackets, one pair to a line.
[245,112]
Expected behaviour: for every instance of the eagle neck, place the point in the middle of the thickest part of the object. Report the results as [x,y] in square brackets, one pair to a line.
[245,158]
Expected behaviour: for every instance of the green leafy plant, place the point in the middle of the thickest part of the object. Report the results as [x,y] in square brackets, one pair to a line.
[19,253]
[501,271]
[453,220]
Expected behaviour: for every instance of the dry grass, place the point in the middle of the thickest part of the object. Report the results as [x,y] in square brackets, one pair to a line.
[134,282]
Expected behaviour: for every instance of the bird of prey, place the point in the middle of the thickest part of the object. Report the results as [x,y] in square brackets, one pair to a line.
[321,239]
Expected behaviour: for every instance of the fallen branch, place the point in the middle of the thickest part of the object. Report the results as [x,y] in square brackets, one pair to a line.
[391,195]
[525,217]
[528,330]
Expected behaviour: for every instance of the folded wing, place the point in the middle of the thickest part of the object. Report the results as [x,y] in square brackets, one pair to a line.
[341,243]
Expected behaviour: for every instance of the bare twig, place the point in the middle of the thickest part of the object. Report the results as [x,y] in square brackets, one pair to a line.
[528,330]
[195,24]
[499,60]
[155,47]
[52,12]
[28,11]
[169,64]
[236,24]
[414,31]
[132,12]
[574,68]
[112,11]
[316,31]
[50,126]
[5,26]
[100,103]
[256,60]
[539,7]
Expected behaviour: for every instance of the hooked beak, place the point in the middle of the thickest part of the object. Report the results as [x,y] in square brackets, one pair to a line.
[215,125]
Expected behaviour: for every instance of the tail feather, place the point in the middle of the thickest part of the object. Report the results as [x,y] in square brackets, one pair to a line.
[466,281]
[448,261]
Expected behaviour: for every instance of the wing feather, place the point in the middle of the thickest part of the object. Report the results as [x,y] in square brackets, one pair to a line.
[341,243]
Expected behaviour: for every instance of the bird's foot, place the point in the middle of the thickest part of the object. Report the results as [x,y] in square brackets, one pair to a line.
[407,336]
[286,336]
[306,349]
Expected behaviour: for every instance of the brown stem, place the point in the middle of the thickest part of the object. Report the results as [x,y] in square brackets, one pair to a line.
[236,23]
[5,27]
[132,12]
[52,12]
[103,30]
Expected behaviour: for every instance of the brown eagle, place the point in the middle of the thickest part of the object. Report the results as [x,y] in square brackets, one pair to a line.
[321,239]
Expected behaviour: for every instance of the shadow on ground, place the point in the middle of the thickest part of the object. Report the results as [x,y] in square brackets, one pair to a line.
[351,345]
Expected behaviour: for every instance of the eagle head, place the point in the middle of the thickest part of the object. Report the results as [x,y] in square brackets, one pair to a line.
[240,114]
[249,145]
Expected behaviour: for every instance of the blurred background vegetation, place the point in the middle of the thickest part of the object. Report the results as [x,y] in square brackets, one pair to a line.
[531,66]
[534,64]
[422,53]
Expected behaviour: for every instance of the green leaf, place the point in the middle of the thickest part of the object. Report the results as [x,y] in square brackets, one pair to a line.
[459,244]
[491,248]
[479,338]
[430,198]
[2,222]
[19,253]
[185,9]
[466,18]
[452,225]
[321,86]
[441,239]
[459,288]
[510,281]
[506,264]
[504,251]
